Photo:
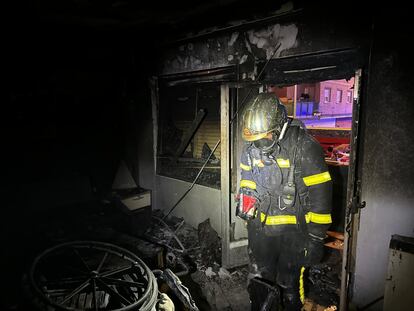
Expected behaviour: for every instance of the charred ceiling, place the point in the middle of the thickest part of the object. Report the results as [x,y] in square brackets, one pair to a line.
[169,18]
[301,49]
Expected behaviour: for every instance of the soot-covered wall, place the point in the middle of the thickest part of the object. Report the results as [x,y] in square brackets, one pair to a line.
[387,158]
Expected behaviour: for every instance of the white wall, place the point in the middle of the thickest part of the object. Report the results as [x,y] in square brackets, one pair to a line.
[386,214]
[200,203]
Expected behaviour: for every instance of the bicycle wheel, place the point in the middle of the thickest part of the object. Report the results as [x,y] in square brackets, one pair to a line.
[91,275]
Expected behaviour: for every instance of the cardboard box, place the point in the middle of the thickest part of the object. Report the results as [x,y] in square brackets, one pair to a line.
[134,211]
[138,200]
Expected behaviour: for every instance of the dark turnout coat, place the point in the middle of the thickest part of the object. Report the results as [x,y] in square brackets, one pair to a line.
[308,208]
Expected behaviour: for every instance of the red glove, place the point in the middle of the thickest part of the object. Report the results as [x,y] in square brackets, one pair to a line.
[247,204]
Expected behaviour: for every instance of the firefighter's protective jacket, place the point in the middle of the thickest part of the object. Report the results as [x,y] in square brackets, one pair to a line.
[311,210]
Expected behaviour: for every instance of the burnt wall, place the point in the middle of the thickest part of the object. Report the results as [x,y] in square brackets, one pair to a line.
[292,30]
[387,156]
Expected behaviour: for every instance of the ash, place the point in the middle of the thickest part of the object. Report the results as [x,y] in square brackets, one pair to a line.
[194,254]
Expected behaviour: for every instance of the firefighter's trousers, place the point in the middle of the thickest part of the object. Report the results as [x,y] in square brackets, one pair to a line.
[276,260]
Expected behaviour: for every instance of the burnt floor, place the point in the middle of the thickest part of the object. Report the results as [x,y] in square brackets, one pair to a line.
[26,234]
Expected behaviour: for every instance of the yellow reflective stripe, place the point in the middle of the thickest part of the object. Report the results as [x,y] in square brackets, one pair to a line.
[301,287]
[322,219]
[248,184]
[291,219]
[245,167]
[283,163]
[278,219]
[317,179]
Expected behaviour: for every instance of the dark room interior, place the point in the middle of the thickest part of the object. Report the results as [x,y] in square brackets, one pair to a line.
[123,134]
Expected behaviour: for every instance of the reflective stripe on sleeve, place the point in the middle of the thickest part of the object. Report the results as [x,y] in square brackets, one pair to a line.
[317,179]
[245,167]
[283,163]
[278,219]
[316,218]
[248,184]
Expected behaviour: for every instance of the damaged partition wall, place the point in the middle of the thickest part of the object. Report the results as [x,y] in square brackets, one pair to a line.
[202,84]
[188,129]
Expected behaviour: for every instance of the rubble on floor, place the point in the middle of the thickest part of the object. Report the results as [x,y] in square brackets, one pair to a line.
[323,280]
[199,252]
[195,255]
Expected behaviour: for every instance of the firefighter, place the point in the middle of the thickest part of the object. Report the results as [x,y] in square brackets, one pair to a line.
[285,197]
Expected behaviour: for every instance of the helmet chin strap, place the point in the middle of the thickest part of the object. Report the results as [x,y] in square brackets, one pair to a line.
[283,131]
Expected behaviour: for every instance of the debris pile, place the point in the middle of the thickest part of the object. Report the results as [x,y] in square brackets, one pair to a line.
[210,245]
[324,280]
[195,255]
[224,289]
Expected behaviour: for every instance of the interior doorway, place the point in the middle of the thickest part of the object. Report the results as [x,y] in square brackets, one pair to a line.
[312,95]
[329,109]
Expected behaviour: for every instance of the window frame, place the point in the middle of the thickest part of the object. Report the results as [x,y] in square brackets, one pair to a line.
[340,93]
[329,96]
[349,96]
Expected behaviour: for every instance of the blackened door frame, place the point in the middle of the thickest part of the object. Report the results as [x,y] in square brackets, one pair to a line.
[284,71]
